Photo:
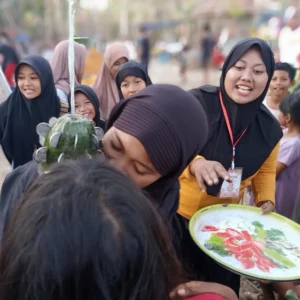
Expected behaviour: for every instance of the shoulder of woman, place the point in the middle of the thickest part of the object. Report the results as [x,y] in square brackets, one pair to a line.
[209,89]
[208,96]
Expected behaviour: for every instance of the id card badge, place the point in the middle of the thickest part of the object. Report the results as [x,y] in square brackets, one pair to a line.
[232,189]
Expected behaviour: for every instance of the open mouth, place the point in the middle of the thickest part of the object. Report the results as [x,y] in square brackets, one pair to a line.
[87,115]
[245,90]
[278,89]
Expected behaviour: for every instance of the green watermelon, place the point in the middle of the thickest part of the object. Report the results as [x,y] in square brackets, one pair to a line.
[68,137]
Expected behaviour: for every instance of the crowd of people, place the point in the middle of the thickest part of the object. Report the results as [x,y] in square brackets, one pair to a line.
[116,226]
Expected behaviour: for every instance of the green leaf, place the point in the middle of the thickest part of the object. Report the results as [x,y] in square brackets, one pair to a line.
[215,244]
[257,224]
[221,251]
[215,240]
[279,258]
[275,234]
[261,233]
[276,248]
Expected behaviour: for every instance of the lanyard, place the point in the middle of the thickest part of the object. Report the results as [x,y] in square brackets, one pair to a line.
[230,131]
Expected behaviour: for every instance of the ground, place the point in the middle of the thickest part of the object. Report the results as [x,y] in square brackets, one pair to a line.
[169,73]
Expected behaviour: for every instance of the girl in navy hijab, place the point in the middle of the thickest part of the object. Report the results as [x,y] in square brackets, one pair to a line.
[131,78]
[33,101]
[87,104]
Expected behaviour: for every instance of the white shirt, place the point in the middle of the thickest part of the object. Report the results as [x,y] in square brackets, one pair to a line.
[274,112]
[62,95]
[289,45]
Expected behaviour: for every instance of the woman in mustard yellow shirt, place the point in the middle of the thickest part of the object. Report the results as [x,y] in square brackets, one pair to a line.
[242,134]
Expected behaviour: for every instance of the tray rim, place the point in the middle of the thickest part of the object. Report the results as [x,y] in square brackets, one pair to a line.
[226,265]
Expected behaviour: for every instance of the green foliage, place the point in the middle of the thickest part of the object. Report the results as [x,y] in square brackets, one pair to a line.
[257,224]
[274,247]
[221,251]
[275,235]
[215,240]
[259,230]
[215,244]
[261,233]
[279,258]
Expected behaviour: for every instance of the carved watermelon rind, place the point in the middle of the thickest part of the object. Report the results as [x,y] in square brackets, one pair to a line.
[69,137]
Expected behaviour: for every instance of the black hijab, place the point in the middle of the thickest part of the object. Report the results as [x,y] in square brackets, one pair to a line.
[263,131]
[10,55]
[131,68]
[167,121]
[91,95]
[19,116]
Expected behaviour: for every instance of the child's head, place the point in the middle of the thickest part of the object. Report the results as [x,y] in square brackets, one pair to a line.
[83,106]
[282,80]
[87,103]
[131,78]
[86,232]
[290,110]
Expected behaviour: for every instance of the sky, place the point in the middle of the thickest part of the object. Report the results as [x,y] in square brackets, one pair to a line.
[94,4]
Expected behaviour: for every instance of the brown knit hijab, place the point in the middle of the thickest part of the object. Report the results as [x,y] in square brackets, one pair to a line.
[171,125]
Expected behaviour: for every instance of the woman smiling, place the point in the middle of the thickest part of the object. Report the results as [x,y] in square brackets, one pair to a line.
[243,141]
[33,101]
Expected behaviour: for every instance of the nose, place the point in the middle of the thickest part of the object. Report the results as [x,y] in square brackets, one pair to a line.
[247,75]
[120,164]
[81,108]
[27,81]
[132,89]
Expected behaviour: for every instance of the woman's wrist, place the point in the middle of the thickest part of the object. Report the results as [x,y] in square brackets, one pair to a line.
[191,167]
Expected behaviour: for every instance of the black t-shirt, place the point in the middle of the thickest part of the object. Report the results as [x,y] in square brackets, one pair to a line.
[207,45]
[144,43]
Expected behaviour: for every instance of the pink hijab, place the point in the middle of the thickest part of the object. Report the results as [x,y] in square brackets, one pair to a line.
[59,64]
[105,85]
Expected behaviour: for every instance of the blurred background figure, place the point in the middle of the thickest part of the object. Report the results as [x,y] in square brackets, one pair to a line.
[9,60]
[60,68]
[183,64]
[207,44]
[116,54]
[144,47]
[289,39]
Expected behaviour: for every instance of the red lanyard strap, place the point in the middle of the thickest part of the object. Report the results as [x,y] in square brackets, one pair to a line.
[225,114]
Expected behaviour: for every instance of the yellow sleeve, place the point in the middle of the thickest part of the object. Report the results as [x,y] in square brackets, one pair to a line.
[264,182]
